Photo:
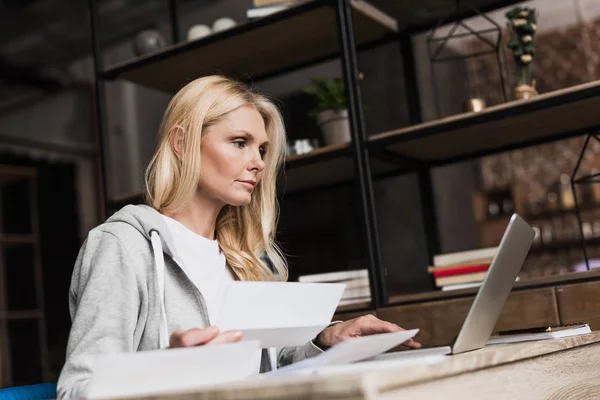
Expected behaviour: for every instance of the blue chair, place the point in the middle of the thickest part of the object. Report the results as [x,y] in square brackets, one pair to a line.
[42,391]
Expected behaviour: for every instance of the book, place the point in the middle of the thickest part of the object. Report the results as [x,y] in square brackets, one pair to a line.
[264,3]
[356,283]
[463,256]
[464,278]
[460,270]
[346,302]
[259,12]
[459,286]
[483,261]
[356,292]
[335,276]
[541,333]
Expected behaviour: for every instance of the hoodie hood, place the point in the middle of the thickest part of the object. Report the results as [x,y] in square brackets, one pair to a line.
[146,220]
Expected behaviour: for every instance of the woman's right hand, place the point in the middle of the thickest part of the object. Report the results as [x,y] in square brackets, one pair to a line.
[201,337]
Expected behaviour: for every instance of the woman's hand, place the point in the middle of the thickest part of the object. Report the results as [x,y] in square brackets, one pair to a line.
[201,337]
[362,326]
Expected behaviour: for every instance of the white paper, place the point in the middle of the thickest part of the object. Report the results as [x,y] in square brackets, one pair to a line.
[279,313]
[350,351]
[171,370]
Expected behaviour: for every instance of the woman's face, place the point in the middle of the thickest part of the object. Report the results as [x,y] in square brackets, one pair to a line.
[233,152]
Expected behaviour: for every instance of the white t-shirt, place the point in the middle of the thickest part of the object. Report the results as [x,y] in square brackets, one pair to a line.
[204,263]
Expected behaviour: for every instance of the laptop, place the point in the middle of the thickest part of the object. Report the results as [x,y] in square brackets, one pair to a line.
[491,296]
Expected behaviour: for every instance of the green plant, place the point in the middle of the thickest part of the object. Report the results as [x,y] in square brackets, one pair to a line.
[330,94]
[522,25]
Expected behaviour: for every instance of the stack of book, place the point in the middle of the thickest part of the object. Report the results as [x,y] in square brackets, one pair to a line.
[262,8]
[357,284]
[463,269]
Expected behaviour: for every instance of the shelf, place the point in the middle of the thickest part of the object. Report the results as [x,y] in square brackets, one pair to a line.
[14,240]
[11,174]
[523,284]
[321,168]
[20,315]
[548,117]
[417,16]
[298,36]
[326,167]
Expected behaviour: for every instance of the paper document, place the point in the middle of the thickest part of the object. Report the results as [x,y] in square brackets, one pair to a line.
[350,351]
[551,334]
[163,371]
[279,313]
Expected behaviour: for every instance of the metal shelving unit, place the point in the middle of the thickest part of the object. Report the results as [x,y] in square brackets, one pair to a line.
[287,41]
[8,316]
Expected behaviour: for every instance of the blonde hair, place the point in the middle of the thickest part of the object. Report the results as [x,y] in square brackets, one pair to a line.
[245,233]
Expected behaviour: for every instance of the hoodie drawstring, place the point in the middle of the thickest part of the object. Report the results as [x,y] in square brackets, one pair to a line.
[159,264]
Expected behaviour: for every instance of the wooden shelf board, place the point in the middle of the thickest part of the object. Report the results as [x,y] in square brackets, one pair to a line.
[11,173]
[550,116]
[20,315]
[297,36]
[424,14]
[323,167]
[13,240]
[335,167]
[523,284]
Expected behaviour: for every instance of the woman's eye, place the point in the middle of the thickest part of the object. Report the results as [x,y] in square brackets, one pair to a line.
[239,143]
[263,152]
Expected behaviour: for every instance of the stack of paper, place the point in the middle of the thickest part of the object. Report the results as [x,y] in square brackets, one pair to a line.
[164,371]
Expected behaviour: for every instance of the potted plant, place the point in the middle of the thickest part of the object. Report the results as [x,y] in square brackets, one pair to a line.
[522,25]
[331,110]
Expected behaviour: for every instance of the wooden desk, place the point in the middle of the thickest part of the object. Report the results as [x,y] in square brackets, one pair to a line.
[557,369]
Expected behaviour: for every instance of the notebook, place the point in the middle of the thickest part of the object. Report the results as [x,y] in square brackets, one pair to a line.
[544,333]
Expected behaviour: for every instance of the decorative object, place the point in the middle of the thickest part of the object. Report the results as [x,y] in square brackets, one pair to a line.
[222,24]
[475,104]
[439,50]
[522,25]
[198,32]
[330,110]
[148,41]
[301,146]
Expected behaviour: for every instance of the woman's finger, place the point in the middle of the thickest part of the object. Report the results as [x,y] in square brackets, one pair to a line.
[375,325]
[193,337]
[227,337]
[412,344]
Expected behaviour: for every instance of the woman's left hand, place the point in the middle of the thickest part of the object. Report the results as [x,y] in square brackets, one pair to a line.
[362,326]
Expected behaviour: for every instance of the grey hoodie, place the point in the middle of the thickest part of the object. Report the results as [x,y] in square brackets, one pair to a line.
[116,303]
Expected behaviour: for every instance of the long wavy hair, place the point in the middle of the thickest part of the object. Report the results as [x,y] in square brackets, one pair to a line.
[246,233]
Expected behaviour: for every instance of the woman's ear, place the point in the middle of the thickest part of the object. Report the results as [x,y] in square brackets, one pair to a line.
[177,140]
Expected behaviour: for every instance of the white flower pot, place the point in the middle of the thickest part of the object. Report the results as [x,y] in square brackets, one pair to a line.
[334,125]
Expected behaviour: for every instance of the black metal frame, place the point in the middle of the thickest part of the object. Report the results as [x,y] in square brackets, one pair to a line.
[362,165]
[589,179]
[494,48]
[359,149]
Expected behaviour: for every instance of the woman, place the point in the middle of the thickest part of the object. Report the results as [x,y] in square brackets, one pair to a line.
[151,277]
